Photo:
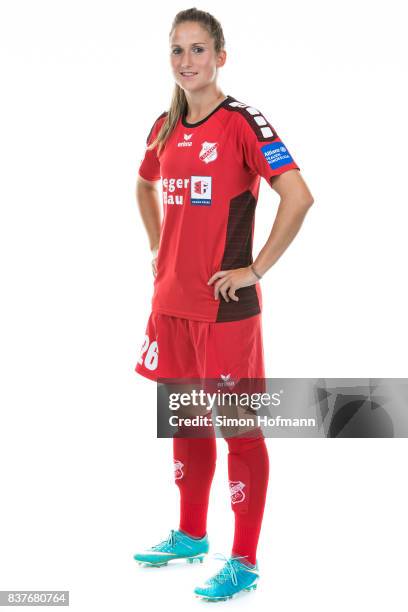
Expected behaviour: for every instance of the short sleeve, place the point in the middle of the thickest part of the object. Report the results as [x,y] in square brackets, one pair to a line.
[263,151]
[149,168]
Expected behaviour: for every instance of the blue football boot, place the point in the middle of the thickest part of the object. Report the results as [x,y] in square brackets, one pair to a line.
[232,578]
[177,546]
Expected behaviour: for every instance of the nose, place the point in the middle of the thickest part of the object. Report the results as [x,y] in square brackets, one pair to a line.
[185,60]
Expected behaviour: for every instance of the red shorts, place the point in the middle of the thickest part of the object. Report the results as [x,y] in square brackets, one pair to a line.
[182,348]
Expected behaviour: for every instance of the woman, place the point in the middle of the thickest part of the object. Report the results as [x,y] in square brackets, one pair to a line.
[210,151]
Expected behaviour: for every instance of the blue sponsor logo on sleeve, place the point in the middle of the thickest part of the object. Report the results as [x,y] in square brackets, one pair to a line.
[276,154]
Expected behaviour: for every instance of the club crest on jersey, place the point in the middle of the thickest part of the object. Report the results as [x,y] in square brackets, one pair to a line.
[178,469]
[208,152]
[201,190]
[237,491]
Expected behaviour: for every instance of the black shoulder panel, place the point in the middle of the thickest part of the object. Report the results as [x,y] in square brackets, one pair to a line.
[260,126]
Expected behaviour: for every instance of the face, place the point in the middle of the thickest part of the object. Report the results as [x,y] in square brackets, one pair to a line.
[193,59]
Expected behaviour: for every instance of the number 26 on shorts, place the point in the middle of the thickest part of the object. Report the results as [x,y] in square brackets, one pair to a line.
[149,354]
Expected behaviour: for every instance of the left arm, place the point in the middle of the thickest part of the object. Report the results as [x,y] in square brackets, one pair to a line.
[295,201]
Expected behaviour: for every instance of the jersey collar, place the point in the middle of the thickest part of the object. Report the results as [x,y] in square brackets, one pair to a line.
[191,125]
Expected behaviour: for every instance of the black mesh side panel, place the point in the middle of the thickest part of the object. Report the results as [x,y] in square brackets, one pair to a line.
[238,254]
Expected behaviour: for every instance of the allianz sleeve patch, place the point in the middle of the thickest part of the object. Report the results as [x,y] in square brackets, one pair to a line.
[276,154]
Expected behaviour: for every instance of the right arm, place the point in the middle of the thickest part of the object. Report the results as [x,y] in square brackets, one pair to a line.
[148,200]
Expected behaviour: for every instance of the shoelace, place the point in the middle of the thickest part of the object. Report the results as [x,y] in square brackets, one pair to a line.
[171,540]
[228,569]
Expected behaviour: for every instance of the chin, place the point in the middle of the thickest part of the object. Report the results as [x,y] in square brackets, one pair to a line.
[195,87]
[190,86]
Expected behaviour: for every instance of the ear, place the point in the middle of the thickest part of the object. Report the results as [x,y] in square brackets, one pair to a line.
[222,58]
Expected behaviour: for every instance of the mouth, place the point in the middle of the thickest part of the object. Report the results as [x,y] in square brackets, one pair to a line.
[188,74]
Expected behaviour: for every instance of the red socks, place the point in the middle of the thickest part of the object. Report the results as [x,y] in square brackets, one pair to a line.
[194,467]
[248,472]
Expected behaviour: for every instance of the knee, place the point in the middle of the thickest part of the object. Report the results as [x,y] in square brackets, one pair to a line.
[194,459]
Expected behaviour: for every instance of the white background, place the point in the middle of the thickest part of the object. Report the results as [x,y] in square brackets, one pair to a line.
[84,481]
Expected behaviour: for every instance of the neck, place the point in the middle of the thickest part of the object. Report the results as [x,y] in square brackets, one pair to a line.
[200,104]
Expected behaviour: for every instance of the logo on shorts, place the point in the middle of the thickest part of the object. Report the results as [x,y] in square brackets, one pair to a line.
[237,491]
[178,469]
[227,381]
[208,152]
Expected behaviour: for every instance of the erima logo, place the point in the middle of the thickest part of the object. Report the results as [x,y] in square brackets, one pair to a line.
[237,491]
[227,381]
[208,152]
[186,142]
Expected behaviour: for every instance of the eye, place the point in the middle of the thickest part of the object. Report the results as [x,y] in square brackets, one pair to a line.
[177,50]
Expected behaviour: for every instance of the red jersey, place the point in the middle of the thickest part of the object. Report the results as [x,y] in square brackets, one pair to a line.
[210,173]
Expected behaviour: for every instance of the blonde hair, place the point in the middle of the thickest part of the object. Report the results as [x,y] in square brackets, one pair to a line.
[178,104]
